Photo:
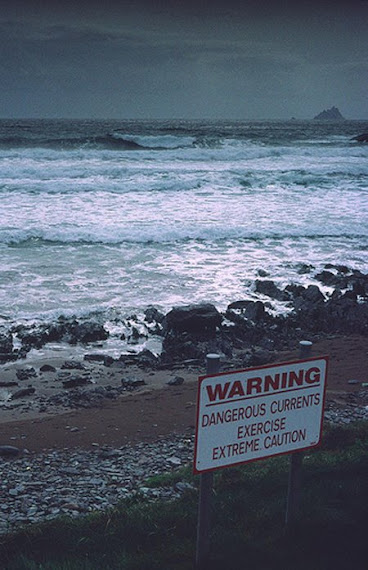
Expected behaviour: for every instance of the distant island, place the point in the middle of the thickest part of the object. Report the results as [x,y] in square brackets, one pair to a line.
[332,114]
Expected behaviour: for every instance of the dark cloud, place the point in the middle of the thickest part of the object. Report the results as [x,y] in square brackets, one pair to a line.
[165,59]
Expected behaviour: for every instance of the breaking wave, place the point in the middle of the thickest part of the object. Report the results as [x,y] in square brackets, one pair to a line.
[109,141]
[157,235]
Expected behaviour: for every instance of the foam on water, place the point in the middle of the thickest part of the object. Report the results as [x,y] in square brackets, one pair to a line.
[188,214]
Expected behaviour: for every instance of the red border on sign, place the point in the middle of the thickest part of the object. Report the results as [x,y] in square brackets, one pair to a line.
[252,369]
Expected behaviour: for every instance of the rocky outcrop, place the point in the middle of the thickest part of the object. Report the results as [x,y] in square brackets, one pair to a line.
[6,348]
[332,114]
[71,331]
[191,332]
[361,138]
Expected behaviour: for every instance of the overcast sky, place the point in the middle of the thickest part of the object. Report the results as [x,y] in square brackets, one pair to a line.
[183,59]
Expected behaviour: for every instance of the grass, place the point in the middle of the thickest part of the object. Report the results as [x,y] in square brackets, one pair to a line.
[247,521]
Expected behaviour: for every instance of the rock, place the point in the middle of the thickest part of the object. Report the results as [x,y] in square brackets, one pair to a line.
[269,288]
[146,358]
[86,332]
[26,373]
[330,279]
[332,114]
[67,330]
[32,337]
[72,365]
[361,138]
[75,382]
[176,381]
[109,453]
[340,268]
[6,343]
[105,359]
[295,290]
[197,319]
[181,347]
[8,356]
[131,383]
[183,486]
[6,348]
[153,315]
[313,294]
[135,336]
[190,332]
[304,268]
[47,368]
[253,310]
[23,392]
[174,460]
[9,451]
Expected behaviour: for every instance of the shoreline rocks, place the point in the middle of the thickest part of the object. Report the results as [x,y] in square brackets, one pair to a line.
[337,301]
[249,332]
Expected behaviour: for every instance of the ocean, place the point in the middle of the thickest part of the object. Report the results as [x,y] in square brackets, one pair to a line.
[104,218]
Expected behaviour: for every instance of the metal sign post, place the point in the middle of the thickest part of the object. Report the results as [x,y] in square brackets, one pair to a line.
[205,493]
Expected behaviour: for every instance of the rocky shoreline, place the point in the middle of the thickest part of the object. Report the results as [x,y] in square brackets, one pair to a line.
[248,333]
[74,480]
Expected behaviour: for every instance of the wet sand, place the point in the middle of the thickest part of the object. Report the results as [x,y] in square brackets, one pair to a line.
[154,409]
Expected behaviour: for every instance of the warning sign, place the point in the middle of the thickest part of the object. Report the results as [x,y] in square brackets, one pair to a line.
[259,412]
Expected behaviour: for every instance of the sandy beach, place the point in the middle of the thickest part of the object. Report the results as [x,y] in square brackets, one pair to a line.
[154,408]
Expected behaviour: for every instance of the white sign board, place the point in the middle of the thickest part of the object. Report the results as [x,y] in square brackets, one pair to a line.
[259,412]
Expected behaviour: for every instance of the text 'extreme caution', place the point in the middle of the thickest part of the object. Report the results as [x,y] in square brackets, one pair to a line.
[259,412]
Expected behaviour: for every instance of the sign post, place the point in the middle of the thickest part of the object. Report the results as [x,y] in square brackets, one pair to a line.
[205,492]
[296,461]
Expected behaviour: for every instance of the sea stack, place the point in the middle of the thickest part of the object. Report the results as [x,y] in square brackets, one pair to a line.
[332,114]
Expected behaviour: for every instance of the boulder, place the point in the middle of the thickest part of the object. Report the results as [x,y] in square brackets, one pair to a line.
[153,315]
[9,451]
[146,358]
[32,337]
[267,287]
[47,368]
[199,319]
[6,343]
[180,347]
[331,280]
[26,373]
[86,332]
[8,357]
[23,392]
[253,310]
